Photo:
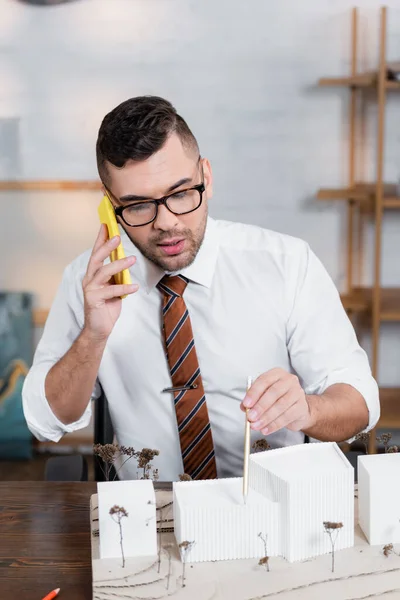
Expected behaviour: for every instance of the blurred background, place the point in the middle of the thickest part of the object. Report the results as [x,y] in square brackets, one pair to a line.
[296,105]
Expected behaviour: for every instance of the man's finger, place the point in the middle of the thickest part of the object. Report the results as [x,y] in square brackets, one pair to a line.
[269,399]
[260,385]
[102,252]
[102,237]
[276,411]
[106,272]
[99,296]
[288,419]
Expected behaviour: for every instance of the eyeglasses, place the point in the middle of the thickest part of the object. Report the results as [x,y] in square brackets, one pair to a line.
[181,202]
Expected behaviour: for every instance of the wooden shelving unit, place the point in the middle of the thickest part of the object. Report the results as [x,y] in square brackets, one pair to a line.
[376,304]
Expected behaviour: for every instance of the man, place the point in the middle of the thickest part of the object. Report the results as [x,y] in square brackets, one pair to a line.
[212,303]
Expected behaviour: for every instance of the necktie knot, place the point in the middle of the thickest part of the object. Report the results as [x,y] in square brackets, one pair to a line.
[173,285]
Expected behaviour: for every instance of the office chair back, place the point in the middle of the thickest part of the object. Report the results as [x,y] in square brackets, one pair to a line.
[103,433]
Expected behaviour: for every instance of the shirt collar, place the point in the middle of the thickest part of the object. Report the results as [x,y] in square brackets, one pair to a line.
[201,270]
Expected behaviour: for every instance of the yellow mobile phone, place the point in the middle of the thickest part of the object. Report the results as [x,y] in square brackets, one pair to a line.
[107,216]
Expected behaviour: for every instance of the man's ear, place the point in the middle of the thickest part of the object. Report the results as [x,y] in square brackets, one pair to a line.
[208,177]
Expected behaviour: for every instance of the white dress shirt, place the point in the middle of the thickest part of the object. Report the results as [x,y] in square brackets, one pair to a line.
[257,299]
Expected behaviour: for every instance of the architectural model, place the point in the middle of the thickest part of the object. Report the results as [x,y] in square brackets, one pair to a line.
[139,535]
[360,571]
[378,490]
[293,491]
[212,515]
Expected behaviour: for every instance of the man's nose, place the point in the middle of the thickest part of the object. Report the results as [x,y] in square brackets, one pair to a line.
[165,219]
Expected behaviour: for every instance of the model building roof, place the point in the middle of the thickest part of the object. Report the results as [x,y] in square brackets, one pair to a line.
[215,492]
[383,465]
[303,460]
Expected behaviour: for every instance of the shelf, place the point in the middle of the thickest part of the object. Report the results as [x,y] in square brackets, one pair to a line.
[49,185]
[363,193]
[361,80]
[390,408]
[354,193]
[360,300]
[393,85]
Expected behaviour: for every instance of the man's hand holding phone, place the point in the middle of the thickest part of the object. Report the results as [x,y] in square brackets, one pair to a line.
[102,298]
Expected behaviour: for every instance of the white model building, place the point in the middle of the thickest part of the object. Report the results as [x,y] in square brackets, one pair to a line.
[378,502]
[293,491]
[139,528]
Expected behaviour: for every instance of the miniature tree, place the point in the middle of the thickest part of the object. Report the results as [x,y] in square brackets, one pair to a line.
[364,439]
[260,445]
[117,514]
[331,529]
[265,559]
[127,451]
[384,439]
[387,549]
[184,549]
[109,455]
[144,458]
[185,477]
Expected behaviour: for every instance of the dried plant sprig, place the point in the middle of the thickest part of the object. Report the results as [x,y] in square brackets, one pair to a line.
[128,451]
[144,458]
[384,439]
[332,527]
[119,511]
[387,549]
[109,454]
[185,477]
[117,514]
[364,439]
[184,549]
[264,539]
[260,445]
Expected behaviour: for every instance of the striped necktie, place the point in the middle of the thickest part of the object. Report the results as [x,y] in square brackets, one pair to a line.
[190,405]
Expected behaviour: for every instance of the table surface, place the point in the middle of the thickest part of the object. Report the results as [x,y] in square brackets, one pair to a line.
[45,540]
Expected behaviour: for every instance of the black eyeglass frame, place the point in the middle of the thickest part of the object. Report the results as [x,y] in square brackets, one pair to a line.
[157,201]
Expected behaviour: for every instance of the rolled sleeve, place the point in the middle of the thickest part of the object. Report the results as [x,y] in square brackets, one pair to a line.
[322,343]
[62,327]
[41,420]
[364,383]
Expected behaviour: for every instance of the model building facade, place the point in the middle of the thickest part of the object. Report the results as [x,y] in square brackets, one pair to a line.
[378,497]
[293,491]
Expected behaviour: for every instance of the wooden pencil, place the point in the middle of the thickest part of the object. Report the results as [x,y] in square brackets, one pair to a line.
[246,450]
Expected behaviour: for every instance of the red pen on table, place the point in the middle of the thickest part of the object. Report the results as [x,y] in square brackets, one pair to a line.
[52,594]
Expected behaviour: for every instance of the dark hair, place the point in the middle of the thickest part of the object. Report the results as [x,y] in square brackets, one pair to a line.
[138,128]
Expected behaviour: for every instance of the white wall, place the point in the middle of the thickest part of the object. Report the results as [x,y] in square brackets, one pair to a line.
[243,74]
